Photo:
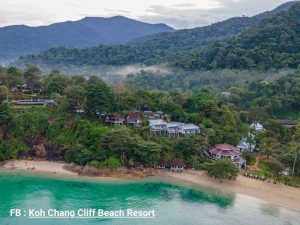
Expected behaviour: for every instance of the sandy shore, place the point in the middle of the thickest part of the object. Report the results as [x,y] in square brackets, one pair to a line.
[37,166]
[277,194]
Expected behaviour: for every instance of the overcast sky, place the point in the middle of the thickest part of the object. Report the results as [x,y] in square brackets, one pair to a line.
[176,13]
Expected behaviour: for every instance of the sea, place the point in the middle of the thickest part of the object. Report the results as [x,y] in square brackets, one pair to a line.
[30,198]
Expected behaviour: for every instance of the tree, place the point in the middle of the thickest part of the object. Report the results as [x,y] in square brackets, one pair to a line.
[222,169]
[100,98]
[3,93]
[5,115]
[12,149]
[250,157]
[273,165]
[75,95]
[30,122]
[14,76]
[32,75]
[192,147]
[60,101]
[118,143]
[56,84]
[146,152]
[79,154]
[294,152]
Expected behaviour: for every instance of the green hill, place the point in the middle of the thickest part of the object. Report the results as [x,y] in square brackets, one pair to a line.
[176,47]
[273,43]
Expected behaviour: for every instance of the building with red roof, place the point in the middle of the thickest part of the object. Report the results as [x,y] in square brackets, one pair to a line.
[226,151]
[115,119]
[134,118]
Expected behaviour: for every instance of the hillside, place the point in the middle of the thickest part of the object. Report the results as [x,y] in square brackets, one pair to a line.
[150,49]
[273,43]
[90,31]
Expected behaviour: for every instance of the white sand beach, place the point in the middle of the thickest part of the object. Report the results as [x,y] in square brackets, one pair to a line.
[38,166]
[277,194]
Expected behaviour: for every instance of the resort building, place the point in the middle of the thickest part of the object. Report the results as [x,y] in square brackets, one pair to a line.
[244,145]
[288,123]
[153,115]
[172,129]
[226,151]
[161,164]
[189,128]
[115,119]
[257,127]
[33,102]
[134,118]
[78,110]
[158,127]
[226,94]
[177,165]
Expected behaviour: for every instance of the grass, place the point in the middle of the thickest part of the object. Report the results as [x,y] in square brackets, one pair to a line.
[262,165]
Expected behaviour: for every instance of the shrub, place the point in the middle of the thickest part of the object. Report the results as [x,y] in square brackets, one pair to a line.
[250,158]
[223,169]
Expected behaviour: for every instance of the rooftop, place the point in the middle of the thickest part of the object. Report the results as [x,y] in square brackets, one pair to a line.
[225,150]
[134,115]
[157,122]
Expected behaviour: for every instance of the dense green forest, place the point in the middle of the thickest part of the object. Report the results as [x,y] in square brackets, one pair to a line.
[216,80]
[84,138]
[269,40]
[273,43]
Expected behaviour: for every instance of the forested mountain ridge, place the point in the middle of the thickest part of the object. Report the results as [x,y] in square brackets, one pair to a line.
[188,39]
[91,31]
[163,47]
[273,43]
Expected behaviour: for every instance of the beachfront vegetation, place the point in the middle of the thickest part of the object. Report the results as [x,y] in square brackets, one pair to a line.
[57,132]
[222,169]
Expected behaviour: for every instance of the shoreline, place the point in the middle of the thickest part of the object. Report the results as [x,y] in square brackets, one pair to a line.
[276,194]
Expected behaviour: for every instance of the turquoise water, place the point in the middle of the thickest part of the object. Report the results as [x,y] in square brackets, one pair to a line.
[173,204]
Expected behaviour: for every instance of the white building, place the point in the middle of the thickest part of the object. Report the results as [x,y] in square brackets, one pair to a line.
[244,145]
[172,129]
[257,127]
[189,128]
[158,126]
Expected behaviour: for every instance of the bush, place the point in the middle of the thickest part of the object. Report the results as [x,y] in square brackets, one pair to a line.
[111,163]
[78,154]
[272,165]
[12,149]
[250,158]
[223,169]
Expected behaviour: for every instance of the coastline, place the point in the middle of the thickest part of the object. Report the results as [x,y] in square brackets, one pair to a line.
[276,194]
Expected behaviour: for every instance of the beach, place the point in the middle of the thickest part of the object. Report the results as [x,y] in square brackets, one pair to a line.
[277,194]
[38,166]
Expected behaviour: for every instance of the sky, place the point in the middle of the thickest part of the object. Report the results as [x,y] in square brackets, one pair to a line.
[176,13]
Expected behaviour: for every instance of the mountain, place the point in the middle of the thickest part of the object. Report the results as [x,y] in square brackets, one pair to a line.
[91,31]
[187,39]
[273,43]
[163,47]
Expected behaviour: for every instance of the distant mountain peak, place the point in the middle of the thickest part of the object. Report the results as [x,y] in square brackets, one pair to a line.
[88,32]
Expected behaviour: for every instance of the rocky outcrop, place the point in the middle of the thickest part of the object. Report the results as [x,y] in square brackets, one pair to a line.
[40,147]
[122,172]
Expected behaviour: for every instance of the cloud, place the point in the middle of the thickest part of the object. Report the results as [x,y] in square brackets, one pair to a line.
[189,15]
[185,5]
[118,11]
[176,13]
